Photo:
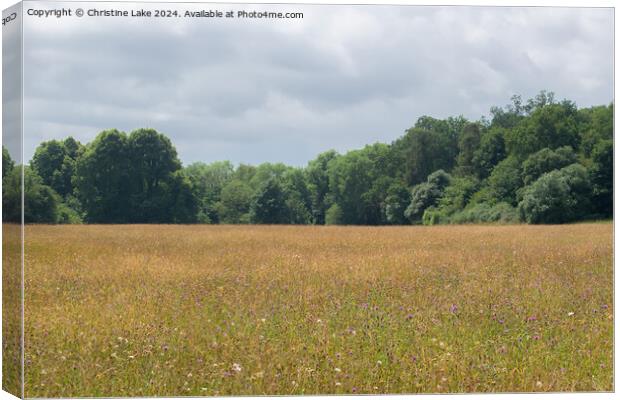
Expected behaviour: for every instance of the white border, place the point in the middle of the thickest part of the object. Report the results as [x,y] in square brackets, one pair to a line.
[535,3]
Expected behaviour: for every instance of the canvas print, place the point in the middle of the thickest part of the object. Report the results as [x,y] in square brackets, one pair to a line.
[230,199]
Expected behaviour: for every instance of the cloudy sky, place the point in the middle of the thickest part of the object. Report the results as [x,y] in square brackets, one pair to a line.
[285,90]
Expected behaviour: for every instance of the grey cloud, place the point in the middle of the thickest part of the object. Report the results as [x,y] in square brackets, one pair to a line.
[11,85]
[345,76]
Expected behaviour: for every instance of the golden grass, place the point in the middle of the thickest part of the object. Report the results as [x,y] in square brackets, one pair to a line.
[213,310]
[11,309]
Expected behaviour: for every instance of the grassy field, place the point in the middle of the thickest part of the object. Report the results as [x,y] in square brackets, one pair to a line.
[11,309]
[215,310]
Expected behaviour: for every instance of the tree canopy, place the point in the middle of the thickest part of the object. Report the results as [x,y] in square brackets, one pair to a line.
[534,161]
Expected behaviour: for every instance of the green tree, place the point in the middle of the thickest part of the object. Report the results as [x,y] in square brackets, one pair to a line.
[55,162]
[318,185]
[235,201]
[102,178]
[334,215]
[40,201]
[596,124]
[269,204]
[349,178]
[556,197]
[245,173]
[469,142]
[546,160]
[358,183]
[490,152]
[423,151]
[152,163]
[266,172]
[552,125]
[426,195]
[7,162]
[602,177]
[374,201]
[207,181]
[510,116]
[457,195]
[504,181]
[185,205]
[396,203]
[298,197]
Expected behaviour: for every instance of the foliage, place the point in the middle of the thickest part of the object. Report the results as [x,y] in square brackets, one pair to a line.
[102,178]
[602,177]
[40,201]
[426,195]
[424,151]
[138,177]
[556,197]
[67,215]
[546,160]
[458,194]
[207,181]
[553,125]
[234,205]
[133,179]
[434,216]
[7,162]
[596,124]
[504,181]
[358,183]
[318,185]
[55,162]
[491,151]
[269,204]
[469,142]
[334,216]
[396,203]
[152,188]
[485,213]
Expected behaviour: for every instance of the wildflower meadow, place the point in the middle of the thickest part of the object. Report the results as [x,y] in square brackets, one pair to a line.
[165,310]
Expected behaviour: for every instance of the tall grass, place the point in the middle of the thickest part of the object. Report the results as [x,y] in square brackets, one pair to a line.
[218,310]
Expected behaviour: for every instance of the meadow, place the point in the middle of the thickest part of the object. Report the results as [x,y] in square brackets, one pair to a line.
[165,310]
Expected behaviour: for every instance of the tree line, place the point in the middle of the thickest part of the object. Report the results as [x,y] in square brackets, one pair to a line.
[534,161]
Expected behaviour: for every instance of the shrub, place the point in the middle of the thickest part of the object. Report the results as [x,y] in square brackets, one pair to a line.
[334,216]
[426,195]
[486,213]
[67,215]
[556,197]
[434,216]
[546,160]
[505,180]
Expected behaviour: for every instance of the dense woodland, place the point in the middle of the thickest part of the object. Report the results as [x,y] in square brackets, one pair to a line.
[534,161]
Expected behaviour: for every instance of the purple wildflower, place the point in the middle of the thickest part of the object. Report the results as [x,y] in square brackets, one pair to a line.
[453,308]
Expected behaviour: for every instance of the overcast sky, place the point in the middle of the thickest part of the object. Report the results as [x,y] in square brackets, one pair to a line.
[285,90]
